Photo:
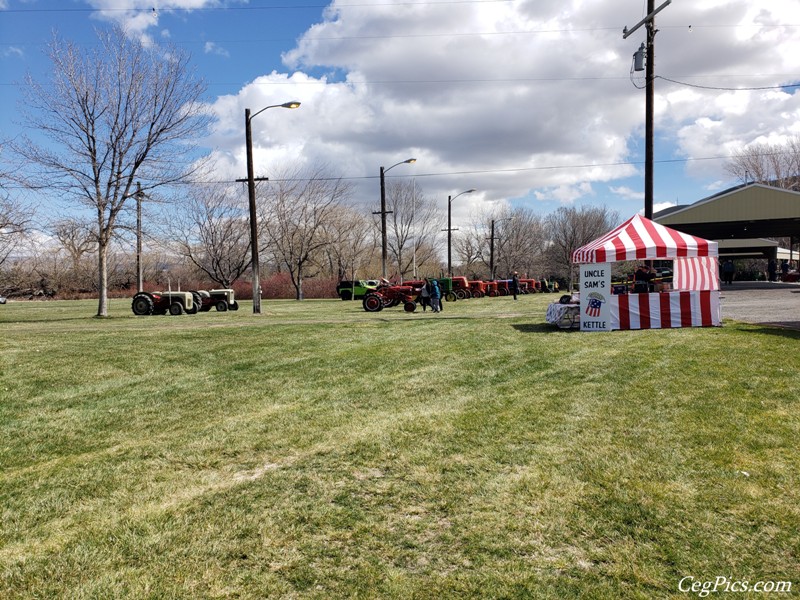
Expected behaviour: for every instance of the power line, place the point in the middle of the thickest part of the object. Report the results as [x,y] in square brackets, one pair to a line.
[136,9]
[730,89]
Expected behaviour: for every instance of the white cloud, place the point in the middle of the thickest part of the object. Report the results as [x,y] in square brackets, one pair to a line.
[13,51]
[526,99]
[212,48]
[626,192]
[658,206]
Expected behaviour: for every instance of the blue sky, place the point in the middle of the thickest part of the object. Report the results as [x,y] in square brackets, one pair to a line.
[529,101]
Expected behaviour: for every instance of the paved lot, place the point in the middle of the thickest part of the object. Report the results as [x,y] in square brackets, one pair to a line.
[762,302]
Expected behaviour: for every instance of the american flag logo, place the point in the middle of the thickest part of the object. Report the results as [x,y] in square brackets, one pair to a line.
[593,308]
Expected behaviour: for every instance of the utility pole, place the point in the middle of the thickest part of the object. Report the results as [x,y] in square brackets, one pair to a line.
[139,278]
[491,246]
[650,23]
[383,212]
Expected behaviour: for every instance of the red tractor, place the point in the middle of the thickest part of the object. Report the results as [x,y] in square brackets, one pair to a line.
[477,288]
[461,288]
[533,285]
[387,295]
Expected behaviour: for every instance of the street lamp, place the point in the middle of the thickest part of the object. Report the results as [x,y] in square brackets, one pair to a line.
[251,192]
[383,212]
[450,230]
[491,247]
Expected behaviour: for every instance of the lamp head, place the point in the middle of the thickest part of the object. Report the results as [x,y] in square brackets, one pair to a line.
[292,104]
[410,160]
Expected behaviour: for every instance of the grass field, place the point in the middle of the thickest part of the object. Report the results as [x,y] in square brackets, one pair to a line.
[318,451]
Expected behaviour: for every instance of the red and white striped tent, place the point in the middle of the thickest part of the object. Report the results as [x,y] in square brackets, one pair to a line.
[695,301]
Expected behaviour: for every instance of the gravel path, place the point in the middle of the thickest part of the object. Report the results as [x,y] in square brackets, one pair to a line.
[762,302]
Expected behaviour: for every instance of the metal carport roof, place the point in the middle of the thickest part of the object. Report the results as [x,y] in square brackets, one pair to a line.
[753,210]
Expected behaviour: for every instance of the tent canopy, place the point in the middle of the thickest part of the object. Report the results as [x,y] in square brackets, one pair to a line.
[639,238]
[695,259]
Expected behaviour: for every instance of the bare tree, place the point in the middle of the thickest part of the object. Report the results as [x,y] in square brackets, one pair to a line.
[350,242]
[114,115]
[296,205]
[412,228]
[522,243]
[15,220]
[775,164]
[211,230]
[78,240]
[519,243]
[570,228]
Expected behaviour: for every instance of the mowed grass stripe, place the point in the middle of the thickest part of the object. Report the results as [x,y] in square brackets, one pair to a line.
[318,451]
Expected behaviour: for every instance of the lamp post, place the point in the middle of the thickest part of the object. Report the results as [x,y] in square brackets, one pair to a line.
[251,192]
[383,212]
[450,230]
[491,247]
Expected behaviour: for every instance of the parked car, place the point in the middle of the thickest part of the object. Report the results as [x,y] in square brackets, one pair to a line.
[355,290]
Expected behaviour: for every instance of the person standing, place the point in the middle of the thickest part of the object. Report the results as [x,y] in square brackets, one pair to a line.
[772,270]
[435,296]
[641,280]
[515,284]
[727,271]
[784,269]
[425,295]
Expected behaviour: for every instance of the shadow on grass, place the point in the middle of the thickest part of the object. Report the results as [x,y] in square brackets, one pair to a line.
[790,330]
[539,328]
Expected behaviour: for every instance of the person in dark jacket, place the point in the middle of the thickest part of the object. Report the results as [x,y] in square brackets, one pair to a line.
[728,271]
[642,279]
[515,284]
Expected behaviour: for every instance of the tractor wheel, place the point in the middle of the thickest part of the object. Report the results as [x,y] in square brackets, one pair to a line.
[221,306]
[175,309]
[460,294]
[197,300]
[347,295]
[234,306]
[492,294]
[372,303]
[142,305]
[477,294]
[503,292]
[450,297]
[410,306]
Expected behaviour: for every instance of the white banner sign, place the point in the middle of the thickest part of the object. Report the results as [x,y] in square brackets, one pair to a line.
[595,282]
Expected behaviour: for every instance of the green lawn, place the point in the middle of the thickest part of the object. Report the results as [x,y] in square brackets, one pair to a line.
[318,451]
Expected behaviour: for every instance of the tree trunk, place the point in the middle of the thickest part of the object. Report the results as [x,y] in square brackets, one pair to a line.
[299,285]
[102,279]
